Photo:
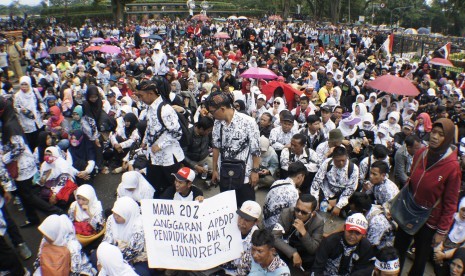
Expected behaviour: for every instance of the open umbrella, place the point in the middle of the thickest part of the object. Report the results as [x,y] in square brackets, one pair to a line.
[232,17]
[110,39]
[110,49]
[200,17]
[275,18]
[222,35]
[394,85]
[155,37]
[423,30]
[59,50]
[92,48]
[97,40]
[410,31]
[289,91]
[259,73]
[441,62]
[242,18]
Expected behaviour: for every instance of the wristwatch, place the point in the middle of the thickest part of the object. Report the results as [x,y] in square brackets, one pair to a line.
[255,170]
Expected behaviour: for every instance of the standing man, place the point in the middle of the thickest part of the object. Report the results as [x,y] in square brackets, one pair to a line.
[235,136]
[161,139]
[15,54]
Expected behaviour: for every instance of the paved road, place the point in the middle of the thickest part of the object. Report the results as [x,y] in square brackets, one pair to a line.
[105,186]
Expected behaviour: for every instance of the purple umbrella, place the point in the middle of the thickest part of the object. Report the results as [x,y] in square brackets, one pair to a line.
[97,40]
[259,73]
[110,49]
[44,54]
[110,39]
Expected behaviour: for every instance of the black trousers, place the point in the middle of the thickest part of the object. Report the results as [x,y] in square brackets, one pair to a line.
[243,193]
[9,261]
[11,229]
[31,138]
[160,177]
[32,201]
[423,248]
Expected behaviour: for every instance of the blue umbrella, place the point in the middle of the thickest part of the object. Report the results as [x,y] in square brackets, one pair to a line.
[423,31]
[155,37]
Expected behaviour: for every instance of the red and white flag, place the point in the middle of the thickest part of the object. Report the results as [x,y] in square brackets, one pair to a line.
[387,45]
[445,50]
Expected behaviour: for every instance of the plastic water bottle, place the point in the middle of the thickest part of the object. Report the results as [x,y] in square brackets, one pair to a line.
[204,175]
[324,206]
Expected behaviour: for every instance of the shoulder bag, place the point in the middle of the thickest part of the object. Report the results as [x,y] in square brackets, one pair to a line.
[232,171]
[409,215]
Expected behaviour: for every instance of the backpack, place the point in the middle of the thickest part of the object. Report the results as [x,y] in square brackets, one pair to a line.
[55,260]
[350,170]
[186,139]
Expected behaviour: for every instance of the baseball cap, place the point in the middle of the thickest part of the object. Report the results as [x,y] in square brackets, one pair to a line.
[409,123]
[288,117]
[264,143]
[357,222]
[261,96]
[250,210]
[185,174]
[111,94]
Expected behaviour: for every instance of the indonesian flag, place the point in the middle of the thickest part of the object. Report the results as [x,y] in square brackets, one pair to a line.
[445,50]
[387,45]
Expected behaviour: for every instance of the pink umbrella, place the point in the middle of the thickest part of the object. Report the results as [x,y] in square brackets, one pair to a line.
[441,62]
[200,17]
[259,73]
[394,85]
[222,35]
[110,49]
[275,18]
[111,39]
[97,40]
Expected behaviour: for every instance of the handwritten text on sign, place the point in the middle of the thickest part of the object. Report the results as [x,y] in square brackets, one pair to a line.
[191,235]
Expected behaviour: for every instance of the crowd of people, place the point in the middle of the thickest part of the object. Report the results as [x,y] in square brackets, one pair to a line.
[170,105]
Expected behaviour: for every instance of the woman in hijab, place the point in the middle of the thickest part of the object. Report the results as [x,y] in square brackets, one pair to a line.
[381,110]
[134,185]
[392,123]
[124,138]
[278,106]
[409,112]
[313,81]
[456,237]
[45,140]
[124,229]
[81,156]
[239,105]
[57,125]
[126,100]
[112,262]
[359,111]
[371,101]
[352,135]
[86,212]
[458,263]
[28,105]
[17,154]
[423,127]
[360,99]
[59,231]
[434,182]
[54,173]
[67,102]
[368,127]
[176,87]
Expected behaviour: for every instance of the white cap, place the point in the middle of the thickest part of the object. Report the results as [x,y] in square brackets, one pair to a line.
[255,90]
[264,143]
[357,222]
[250,210]
[431,92]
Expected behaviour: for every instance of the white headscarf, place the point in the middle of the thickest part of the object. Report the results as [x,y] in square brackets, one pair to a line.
[280,107]
[457,233]
[368,117]
[394,128]
[95,206]
[58,167]
[363,111]
[112,261]
[57,228]
[135,180]
[128,209]
[313,80]
[370,105]
[359,96]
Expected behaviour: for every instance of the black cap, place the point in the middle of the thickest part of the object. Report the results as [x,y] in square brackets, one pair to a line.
[288,117]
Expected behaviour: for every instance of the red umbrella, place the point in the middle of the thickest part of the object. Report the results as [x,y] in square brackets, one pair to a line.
[394,85]
[441,62]
[200,17]
[222,35]
[91,49]
[259,73]
[289,91]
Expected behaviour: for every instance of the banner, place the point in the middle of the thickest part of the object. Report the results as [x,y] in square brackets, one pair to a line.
[190,235]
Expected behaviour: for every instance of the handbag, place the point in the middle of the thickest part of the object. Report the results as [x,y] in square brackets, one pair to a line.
[409,215]
[232,171]
[12,169]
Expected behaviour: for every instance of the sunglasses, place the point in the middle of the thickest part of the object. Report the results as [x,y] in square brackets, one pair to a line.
[297,210]
[278,103]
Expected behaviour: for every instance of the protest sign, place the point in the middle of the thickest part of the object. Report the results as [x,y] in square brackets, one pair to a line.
[190,235]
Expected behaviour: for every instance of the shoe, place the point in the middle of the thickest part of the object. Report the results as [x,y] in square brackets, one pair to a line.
[28,224]
[24,251]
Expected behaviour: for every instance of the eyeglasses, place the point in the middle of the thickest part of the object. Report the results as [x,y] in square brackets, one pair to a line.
[278,103]
[297,210]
